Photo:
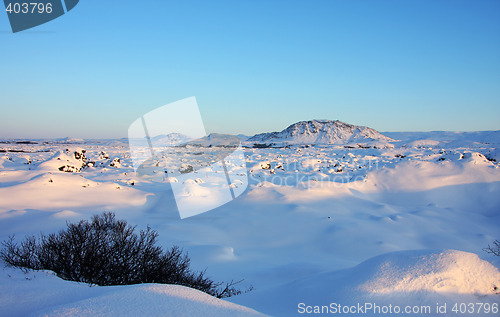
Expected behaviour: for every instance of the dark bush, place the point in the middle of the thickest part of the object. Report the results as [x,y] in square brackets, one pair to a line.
[106,251]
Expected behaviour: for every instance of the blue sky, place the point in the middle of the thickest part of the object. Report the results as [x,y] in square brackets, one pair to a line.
[254,66]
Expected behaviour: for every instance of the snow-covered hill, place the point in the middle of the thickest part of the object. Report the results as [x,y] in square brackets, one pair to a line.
[395,282]
[43,294]
[321,132]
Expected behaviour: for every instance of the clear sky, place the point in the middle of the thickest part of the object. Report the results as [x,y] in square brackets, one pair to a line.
[254,65]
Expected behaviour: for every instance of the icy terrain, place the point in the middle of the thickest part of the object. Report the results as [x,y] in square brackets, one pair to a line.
[334,222]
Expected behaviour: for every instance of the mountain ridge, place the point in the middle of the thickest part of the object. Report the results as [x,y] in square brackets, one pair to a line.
[321,132]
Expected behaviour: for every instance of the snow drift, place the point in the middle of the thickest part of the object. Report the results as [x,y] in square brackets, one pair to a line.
[404,278]
[44,294]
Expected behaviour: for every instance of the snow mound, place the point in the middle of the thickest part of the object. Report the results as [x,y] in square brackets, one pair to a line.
[448,271]
[43,294]
[65,161]
[15,162]
[60,191]
[403,278]
[153,300]
[476,159]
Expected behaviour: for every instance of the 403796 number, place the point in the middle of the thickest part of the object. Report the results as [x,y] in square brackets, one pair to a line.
[29,7]
[475,308]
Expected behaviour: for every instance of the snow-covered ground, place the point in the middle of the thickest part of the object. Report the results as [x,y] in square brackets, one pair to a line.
[317,225]
[43,294]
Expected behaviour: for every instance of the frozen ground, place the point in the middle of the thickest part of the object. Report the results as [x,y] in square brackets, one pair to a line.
[317,224]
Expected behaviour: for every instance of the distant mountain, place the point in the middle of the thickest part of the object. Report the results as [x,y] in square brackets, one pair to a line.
[217,139]
[322,132]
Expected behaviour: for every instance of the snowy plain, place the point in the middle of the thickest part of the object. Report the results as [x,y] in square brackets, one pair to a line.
[401,224]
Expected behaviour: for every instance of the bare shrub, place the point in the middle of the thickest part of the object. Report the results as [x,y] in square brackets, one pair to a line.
[495,249]
[105,251]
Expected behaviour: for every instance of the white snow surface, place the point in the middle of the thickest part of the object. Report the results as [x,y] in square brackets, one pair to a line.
[404,224]
[401,278]
[43,294]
